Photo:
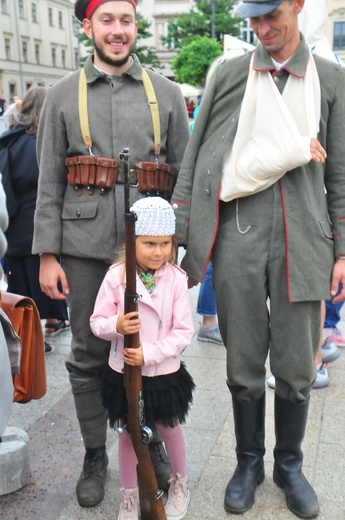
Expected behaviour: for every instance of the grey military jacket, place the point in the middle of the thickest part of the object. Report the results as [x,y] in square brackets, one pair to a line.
[91,226]
[314,220]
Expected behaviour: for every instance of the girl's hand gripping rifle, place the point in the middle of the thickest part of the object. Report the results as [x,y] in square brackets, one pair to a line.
[151,505]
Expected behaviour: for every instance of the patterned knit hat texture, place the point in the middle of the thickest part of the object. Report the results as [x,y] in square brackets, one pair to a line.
[155,217]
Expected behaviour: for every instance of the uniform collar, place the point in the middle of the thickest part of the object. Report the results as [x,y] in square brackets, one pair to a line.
[92,73]
[297,65]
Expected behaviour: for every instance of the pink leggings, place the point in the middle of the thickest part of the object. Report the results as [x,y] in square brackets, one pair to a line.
[174,443]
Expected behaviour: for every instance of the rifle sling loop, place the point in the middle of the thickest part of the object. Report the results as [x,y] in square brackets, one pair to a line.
[151,98]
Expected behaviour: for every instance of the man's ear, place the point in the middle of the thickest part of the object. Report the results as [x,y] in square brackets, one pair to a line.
[299,4]
[87,27]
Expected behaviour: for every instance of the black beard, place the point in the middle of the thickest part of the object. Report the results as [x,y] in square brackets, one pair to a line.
[110,61]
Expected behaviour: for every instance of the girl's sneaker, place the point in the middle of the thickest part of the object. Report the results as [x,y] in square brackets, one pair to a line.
[334,334]
[178,498]
[129,504]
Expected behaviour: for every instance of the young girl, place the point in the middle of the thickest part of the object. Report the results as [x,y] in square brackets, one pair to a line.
[165,323]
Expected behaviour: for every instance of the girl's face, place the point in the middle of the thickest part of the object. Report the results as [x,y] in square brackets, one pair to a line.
[153,252]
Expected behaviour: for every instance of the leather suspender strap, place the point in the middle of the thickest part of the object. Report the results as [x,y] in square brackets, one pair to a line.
[151,98]
[83,114]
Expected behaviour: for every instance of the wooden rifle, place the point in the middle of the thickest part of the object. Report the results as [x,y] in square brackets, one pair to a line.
[150,496]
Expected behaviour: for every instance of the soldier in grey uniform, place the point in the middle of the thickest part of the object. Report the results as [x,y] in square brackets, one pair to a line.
[79,223]
[268,140]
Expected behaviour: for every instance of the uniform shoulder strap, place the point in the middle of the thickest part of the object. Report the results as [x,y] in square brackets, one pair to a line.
[151,98]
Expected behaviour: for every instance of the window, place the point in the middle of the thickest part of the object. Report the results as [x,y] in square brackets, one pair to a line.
[21,8]
[60,20]
[53,56]
[247,33]
[4,6]
[25,51]
[12,90]
[34,12]
[8,50]
[37,52]
[339,36]
[63,58]
[161,30]
[50,16]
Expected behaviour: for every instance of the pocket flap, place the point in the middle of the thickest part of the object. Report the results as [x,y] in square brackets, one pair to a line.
[327,229]
[77,210]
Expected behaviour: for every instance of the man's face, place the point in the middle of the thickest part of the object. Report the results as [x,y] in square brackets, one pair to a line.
[278,31]
[113,29]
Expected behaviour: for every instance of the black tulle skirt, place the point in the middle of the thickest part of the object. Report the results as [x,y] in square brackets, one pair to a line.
[167,397]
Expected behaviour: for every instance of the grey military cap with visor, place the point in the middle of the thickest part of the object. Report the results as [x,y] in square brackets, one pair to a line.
[251,8]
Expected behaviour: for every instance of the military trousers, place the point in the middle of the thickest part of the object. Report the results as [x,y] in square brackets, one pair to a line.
[256,318]
[88,354]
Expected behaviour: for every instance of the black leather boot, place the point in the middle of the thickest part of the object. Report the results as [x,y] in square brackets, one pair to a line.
[160,463]
[90,486]
[249,418]
[290,424]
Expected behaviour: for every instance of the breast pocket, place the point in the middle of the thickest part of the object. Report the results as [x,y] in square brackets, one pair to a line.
[79,210]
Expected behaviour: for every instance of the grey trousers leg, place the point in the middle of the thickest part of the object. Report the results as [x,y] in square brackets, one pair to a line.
[249,269]
[88,354]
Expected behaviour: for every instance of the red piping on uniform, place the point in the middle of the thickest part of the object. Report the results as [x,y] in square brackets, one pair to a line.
[286,240]
[183,203]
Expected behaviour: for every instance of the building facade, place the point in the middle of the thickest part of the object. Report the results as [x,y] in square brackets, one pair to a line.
[335,26]
[37,44]
[38,41]
[159,13]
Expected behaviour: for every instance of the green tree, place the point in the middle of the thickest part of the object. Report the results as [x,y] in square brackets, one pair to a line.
[193,61]
[198,22]
[146,54]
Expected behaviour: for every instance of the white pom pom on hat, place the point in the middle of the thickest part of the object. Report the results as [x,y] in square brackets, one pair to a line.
[155,217]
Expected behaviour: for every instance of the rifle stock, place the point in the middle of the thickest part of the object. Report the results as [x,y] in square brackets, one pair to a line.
[151,505]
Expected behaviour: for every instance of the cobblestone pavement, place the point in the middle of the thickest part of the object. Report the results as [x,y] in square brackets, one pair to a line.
[56,450]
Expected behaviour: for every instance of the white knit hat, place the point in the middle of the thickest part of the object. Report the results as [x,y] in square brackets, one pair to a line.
[155,217]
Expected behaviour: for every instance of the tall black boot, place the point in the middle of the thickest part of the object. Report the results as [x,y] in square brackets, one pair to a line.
[249,418]
[290,424]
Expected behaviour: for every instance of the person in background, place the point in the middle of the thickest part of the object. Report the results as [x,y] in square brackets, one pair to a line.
[274,231]
[207,308]
[21,266]
[6,391]
[3,105]
[167,386]
[85,226]
[13,110]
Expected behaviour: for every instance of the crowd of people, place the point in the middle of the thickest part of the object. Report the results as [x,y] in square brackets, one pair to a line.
[269,257]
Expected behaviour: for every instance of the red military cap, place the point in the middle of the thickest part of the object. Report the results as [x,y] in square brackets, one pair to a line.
[85,8]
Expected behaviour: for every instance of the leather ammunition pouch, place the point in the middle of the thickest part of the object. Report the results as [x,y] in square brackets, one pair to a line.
[156,178]
[90,171]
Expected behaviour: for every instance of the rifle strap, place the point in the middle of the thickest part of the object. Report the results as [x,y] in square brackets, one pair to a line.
[151,98]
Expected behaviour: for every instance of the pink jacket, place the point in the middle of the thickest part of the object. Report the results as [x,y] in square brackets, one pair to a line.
[166,318]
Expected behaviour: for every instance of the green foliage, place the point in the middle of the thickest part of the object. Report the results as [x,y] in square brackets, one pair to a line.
[193,61]
[198,22]
[145,54]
